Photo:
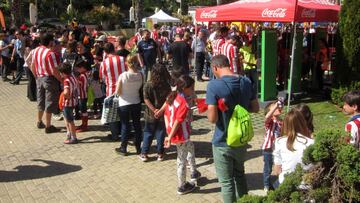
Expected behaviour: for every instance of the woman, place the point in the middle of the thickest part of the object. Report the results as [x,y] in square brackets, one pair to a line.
[128,89]
[289,148]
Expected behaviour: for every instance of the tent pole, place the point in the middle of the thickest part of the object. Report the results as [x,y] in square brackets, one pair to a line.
[291,66]
[195,42]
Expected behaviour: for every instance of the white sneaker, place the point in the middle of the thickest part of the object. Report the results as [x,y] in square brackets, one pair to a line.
[266,190]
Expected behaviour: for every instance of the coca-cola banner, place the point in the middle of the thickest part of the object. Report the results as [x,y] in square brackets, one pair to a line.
[270,11]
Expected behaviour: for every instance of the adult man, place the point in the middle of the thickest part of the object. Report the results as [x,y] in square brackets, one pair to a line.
[17,56]
[44,67]
[229,161]
[148,51]
[230,50]
[4,55]
[110,69]
[199,48]
[180,52]
[249,62]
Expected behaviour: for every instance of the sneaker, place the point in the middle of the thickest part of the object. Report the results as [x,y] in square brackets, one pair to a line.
[143,157]
[57,117]
[110,137]
[160,157]
[186,188]
[121,151]
[71,141]
[40,125]
[51,129]
[195,175]
[266,190]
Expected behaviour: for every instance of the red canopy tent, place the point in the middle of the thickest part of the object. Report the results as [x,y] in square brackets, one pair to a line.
[271,11]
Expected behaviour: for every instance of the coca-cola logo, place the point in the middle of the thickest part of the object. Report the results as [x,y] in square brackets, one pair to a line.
[274,13]
[210,14]
[308,13]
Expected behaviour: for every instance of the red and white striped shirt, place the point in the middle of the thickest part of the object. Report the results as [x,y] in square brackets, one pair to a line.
[231,52]
[45,61]
[71,83]
[272,131]
[178,111]
[217,46]
[138,37]
[110,70]
[83,85]
[353,127]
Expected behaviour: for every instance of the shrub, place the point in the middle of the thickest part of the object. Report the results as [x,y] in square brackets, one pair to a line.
[338,93]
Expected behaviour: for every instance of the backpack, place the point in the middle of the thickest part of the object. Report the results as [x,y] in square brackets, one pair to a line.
[240,130]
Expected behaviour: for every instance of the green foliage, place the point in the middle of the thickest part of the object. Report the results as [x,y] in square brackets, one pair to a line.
[348,159]
[295,197]
[349,29]
[251,199]
[105,14]
[320,194]
[338,93]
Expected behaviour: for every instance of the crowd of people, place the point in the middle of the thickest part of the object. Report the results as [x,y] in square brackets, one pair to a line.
[65,65]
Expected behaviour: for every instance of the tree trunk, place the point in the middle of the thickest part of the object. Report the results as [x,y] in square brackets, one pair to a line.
[139,9]
[218,2]
[16,16]
[184,7]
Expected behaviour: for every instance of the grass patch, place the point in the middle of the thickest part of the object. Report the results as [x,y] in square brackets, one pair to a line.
[327,115]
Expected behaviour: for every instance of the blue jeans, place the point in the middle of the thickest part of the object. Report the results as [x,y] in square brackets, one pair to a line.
[268,163]
[115,129]
[157,129]
[133,111]
[229,165]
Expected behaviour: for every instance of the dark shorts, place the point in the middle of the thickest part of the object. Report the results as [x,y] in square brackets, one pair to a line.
[47,94]
[68,113]
[83,105]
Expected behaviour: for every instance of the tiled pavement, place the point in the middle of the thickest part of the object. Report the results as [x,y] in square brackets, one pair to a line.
[35,167]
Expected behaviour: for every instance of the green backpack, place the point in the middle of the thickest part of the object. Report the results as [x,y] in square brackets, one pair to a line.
[240,130]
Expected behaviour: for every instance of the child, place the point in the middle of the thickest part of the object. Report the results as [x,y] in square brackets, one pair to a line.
[98,93]
[178,129]
[272,131]
[155,94]
[289,148]
[81,68]
[352,107]
[70,101]
[306,112]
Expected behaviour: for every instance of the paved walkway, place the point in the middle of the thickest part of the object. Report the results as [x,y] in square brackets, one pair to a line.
[36,167]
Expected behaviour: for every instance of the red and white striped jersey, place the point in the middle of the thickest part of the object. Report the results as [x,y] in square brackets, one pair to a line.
[45,61]
[138,37]
[217,46]
[353,127]
[71,83]
[110,69]
[83,85]
[231,52]
[272,131]
[178,111]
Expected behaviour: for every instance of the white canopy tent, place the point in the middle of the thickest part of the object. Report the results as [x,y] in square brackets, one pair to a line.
[162,17]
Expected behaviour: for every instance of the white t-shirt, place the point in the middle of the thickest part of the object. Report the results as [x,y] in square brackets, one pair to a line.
[131,83]
[4,52]
[289,159]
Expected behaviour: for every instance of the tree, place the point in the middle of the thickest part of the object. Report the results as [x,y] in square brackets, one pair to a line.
[139,9]
[350,32]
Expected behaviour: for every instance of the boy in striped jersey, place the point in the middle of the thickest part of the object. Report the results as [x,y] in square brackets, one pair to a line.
[272,131]
[352,107]
[70,101]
